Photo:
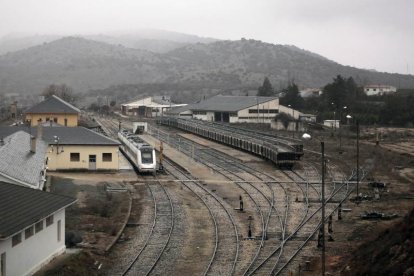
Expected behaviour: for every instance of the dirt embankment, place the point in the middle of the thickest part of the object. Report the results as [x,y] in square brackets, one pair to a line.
[391,253]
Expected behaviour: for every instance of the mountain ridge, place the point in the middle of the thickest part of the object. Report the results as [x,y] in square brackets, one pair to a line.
[86,64]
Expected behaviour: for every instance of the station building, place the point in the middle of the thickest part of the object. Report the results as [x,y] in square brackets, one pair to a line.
[53,109]
[149,106]
[73,148]
[32,228]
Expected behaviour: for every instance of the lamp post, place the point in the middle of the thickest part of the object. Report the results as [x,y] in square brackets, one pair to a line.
[306,136]
[340,129]
[357,173]
[348,117]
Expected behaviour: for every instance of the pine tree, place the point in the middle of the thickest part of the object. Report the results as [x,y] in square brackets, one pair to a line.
[266,90]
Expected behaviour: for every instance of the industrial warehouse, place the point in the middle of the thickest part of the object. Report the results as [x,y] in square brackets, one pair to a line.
[235,109]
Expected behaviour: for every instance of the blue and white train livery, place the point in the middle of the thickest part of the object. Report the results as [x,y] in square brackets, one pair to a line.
[141,153]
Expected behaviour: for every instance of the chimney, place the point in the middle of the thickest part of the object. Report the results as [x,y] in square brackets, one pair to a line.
[32,144]
[39,132]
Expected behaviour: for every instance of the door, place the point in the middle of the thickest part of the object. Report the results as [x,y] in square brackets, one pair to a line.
[92,162]
[3,264]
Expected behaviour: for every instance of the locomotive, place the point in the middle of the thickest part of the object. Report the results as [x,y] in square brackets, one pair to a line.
[139,152]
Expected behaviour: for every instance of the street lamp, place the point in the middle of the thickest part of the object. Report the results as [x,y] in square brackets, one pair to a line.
[307,136]
[348,117]
[340,129]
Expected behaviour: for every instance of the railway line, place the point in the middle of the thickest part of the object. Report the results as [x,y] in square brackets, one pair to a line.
[226,249]
[287,224]
[160,234]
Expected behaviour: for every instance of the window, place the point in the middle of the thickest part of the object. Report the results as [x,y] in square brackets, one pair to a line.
[28,232]
[55,120]
[39,226]
[74,156]
[59,231]
[16,239]
[107,157]
[47,119]
[199,112]
[66,122]
[49,220]
[3,264]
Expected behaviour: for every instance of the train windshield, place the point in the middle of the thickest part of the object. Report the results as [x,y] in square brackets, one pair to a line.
[146,156]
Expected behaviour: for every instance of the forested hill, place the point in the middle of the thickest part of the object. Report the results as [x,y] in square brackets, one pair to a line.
[86,64]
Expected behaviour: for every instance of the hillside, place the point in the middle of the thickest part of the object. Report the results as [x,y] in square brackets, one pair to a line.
[81,63]
[158,41]
[86,64]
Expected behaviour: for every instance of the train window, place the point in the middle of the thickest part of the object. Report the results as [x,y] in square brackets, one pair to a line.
[74,157]
[107,157]
[146,156]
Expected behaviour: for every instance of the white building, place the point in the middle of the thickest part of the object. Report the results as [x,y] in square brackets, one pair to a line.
[310,92]
[149,106]
[378,89]
[232,109]
[32,228]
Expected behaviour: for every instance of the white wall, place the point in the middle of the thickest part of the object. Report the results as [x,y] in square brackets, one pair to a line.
[31,254]
[245,117]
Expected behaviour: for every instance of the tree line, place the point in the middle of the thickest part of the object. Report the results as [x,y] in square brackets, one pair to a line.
[344,97]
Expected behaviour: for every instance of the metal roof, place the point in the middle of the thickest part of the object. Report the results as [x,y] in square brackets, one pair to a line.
[53,104]
[67,135]
[21,207]
[18,163]
[230,103]
[179,109]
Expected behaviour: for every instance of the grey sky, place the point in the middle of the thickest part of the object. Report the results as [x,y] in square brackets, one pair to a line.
[377,34]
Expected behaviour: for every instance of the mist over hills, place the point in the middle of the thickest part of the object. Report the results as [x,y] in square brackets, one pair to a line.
[87,64]
[159,41]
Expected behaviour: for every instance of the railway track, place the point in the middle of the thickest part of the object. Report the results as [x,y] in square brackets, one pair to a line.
[160,234]
[226,249]
[293,235]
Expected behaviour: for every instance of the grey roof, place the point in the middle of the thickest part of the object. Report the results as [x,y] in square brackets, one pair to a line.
[17,162]
[180,109]
[230,103]
[67,135]
[53,104]
[21,207]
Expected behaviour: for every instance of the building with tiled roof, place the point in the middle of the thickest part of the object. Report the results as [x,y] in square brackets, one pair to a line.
[23,160]
[379,89]
[32,228]
[53,109]
[74,148]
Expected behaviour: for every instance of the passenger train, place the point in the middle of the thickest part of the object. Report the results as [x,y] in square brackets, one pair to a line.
[142,154]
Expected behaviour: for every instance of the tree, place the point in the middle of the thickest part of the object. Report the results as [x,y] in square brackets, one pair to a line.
[292,96]
[266,89]
[62,91]
[341,92]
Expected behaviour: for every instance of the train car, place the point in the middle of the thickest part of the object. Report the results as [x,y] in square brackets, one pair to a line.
[282,153]
[141,154]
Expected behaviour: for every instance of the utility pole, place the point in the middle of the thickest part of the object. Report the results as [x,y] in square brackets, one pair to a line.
[357,173]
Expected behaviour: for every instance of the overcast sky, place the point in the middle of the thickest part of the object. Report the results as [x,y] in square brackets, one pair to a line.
[371,34]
